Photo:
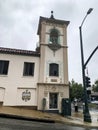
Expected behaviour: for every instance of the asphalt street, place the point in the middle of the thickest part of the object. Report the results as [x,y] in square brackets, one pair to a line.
[13,124]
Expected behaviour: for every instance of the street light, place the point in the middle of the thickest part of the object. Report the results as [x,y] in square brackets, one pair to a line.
[87,116]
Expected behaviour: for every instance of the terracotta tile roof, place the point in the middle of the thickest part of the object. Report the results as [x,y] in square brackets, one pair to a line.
[19,52]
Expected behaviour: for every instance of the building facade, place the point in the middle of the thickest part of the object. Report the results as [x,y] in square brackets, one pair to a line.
[37,79]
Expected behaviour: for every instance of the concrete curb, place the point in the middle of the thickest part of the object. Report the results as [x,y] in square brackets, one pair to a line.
[26,118]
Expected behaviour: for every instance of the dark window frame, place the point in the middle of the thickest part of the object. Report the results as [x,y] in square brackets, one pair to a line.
[4,65]
[54,69]
[28,69]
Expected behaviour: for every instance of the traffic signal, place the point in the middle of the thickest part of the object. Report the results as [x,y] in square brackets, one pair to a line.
[88,92]
[87,82]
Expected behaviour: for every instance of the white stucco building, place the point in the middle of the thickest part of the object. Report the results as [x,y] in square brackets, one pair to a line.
[27,78]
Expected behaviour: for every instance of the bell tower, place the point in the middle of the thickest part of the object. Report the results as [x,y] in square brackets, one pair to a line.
[53,65]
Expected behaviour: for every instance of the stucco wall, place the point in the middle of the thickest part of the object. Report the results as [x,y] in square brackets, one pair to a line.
[15,79]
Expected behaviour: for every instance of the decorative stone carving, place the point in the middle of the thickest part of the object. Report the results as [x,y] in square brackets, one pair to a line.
[54,46]
[26,95]
[53,88]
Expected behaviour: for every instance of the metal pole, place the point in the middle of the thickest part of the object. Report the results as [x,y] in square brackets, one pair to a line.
[87,116]
[86,113]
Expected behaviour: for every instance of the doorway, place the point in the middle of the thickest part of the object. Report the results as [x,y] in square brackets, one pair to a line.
[53,100]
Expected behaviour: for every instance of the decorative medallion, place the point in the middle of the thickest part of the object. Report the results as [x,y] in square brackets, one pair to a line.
[26,95]
[54,46]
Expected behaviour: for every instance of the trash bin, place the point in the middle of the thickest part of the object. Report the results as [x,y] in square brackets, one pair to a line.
[66,107]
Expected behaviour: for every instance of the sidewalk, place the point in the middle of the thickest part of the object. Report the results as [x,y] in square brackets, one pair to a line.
[76,119]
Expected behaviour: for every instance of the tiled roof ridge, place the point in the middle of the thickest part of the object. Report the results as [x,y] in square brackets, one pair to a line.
[53,19]
[18,51]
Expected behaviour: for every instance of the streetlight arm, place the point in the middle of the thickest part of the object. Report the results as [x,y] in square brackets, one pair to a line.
[88,12]
[83,20]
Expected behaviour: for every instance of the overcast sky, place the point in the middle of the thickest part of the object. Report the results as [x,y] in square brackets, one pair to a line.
[19,22]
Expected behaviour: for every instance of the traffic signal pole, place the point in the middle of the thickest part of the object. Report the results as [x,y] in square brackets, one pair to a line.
[90,56]
[87,116]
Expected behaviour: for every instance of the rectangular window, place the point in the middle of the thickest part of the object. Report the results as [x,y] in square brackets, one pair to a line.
[28,69]
[4,67]
[53,69]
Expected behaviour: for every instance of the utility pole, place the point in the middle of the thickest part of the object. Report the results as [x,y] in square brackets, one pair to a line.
[87,116]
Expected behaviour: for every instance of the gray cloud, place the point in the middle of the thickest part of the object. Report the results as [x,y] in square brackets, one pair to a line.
[19,21]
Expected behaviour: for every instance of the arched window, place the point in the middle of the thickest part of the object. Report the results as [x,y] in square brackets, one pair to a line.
[54,36]
[53,69]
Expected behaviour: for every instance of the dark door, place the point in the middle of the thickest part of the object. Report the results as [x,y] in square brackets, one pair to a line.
[53,100]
